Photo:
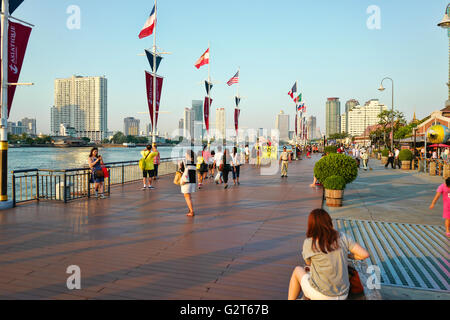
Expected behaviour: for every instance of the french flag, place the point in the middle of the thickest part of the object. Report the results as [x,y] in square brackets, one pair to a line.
[147,30]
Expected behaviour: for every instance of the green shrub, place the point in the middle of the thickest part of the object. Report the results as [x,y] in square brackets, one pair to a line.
[330,149]
[336,165]
[334,183]
[405,155]
[385,153]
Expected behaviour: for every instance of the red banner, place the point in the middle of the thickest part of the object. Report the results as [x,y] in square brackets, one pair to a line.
[159,83]
[18,35]
[296,125]
[237,112]
[207,105]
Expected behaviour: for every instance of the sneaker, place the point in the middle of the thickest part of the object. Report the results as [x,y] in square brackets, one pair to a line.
[226,186]
[144,187]
[151,187]
[102,196]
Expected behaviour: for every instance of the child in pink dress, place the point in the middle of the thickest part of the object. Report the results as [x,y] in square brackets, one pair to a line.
[444,189]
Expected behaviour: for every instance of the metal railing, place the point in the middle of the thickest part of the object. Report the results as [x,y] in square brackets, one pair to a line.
[71,184]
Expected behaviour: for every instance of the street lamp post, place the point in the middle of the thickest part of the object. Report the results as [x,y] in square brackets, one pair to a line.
[392,122]
[445,24]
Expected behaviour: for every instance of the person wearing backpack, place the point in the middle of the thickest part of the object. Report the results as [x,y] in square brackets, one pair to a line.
[202,169]
[146,164]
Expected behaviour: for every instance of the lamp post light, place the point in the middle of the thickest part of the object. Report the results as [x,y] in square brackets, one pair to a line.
[445,24]
[392,122]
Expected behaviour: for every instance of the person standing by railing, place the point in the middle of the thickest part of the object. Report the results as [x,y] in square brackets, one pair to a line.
[188,180]
[148,167]
[98,178]
[156,162]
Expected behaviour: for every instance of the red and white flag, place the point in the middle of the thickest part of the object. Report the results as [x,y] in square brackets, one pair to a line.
[147,30]
[204,59]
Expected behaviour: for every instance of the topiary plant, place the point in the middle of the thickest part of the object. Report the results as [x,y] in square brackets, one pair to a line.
[334,183]
[336,164]
[385,153]
[330,149]
[405,155]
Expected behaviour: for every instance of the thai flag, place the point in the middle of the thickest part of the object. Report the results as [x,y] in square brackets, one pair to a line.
[147,30]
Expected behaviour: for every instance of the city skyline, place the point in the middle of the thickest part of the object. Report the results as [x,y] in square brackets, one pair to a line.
[92,50]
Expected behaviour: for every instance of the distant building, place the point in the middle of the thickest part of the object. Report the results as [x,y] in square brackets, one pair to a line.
[188,123]
[282,124]
[67,131]
[197,106]
[81,102]
[333,118]
[131,126]
[30,125]
[220,123]
[16,128]
[148,130]
[361,117]
[311,128]
[349,105]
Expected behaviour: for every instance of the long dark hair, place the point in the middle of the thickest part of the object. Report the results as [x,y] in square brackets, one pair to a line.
[234,151]
[320,229]
[92,152]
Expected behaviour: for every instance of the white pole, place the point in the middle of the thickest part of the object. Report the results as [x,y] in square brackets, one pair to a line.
[4,102]
[154,79]
[209,91]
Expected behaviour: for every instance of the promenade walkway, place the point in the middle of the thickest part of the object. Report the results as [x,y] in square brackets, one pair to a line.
[243,243]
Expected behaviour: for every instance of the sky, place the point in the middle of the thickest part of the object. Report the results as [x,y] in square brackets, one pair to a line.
[326,45]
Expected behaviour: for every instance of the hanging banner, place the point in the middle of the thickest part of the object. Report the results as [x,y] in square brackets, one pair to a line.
[237,113]
[18,36]
[238,101]
[208,87]
[13,5]
[207,105]
[296,125]
[149,82]
[150,60]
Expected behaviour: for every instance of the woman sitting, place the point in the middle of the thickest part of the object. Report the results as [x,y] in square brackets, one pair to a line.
[326,252]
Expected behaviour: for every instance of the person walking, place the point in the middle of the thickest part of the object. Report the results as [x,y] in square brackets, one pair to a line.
[148,166]
[226,167]
[236,166]
[444,190]
[247,154]
[202,169]
[284,161]
[390,160]
[188,180]
[98,178]
[365,159]
[156,162]
[212,164]
[218,160]
[325,251]
[396,159]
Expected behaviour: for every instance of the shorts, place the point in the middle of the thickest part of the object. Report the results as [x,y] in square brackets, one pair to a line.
[149,173]
[313,294]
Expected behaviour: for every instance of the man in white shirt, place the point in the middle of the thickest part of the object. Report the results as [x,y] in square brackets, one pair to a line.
[396,159]
[218,160]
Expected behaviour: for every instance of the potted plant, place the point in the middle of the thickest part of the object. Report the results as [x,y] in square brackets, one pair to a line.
[334,190]
[405,157]
[336,165]
[384,156]
[330,149]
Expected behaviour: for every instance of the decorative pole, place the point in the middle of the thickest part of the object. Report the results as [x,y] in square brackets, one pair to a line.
[4,101]
[154,79]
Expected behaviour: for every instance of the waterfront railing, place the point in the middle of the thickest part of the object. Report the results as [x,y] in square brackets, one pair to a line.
[72,184]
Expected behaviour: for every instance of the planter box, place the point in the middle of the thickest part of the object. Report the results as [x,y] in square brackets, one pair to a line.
[406,165]
[334,197]
[384,160]
[446,171]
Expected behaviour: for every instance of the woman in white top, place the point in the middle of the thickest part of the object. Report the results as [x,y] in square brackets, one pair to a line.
[236,166]
[188,180]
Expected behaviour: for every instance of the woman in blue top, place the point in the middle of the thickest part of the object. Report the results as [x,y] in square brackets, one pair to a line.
[95,163]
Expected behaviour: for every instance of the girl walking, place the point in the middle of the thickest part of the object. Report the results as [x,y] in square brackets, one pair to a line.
[226,167]
[188,180]
[444,189]
[236,166]
[95,163]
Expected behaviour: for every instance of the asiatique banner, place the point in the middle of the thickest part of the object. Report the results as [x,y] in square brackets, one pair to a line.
[159,83]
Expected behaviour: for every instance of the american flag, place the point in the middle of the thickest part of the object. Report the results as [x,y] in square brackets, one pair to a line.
[234,79]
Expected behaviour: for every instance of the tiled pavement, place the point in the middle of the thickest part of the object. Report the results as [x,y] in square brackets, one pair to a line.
[243,243]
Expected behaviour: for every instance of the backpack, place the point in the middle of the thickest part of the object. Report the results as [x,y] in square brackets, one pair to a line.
[142,163]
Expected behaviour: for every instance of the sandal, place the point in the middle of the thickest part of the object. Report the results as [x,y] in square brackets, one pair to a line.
[190,214]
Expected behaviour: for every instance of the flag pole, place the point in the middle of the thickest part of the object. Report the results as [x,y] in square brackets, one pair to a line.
[237,106]
[209,91]
[4,102]
[154,79]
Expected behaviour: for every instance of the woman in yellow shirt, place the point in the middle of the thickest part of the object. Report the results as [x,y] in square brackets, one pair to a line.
[148,171]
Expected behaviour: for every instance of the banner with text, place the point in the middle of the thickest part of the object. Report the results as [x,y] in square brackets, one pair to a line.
[159,82]
[18,36]
[237,113]
[207,105]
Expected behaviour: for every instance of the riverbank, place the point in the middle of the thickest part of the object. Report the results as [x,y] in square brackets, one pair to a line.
[15,146]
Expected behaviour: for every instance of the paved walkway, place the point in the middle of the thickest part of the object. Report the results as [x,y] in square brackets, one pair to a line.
[243,243]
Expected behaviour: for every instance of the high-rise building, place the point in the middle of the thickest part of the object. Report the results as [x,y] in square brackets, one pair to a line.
[131,126]
[148,129]
[282,124]
[311,128]
[83,101]
[333,118]
[360,117]
[197,106]
[188,124]
[349,105]
[30,125]
[220,123]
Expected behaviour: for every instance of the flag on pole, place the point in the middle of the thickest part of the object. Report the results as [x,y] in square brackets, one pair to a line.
[150,60]
[293,90]
[147,30]
[234,79]
[298,99]
[13,5]
[208,86]
[204,59]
